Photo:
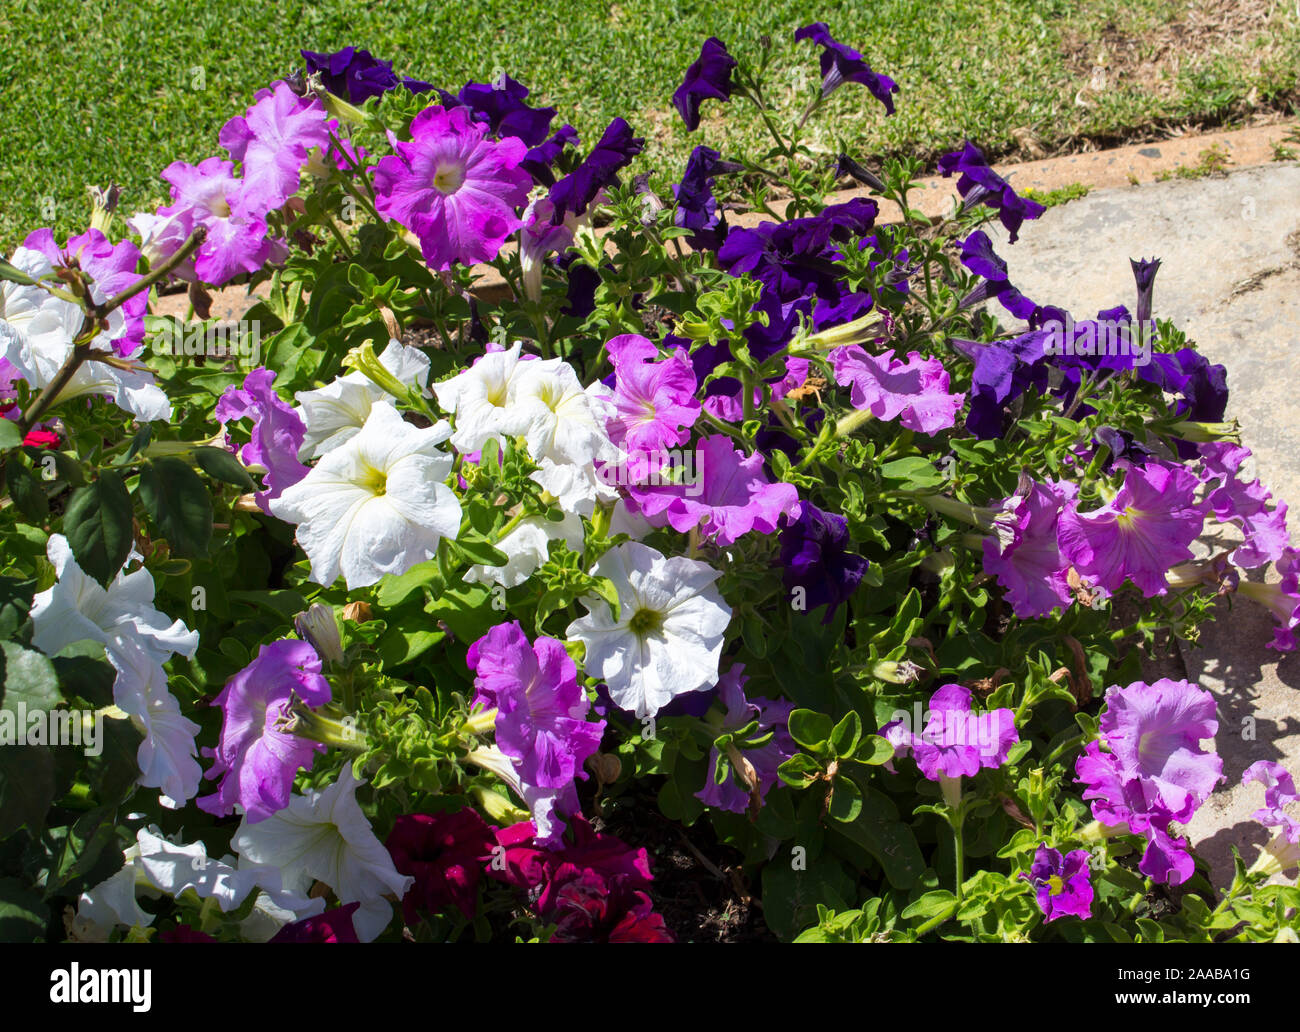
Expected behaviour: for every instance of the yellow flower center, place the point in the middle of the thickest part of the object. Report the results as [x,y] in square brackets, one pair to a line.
[645,621]
[374,480]
[448,179]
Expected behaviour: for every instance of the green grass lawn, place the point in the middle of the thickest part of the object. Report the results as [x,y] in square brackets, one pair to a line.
[98,92]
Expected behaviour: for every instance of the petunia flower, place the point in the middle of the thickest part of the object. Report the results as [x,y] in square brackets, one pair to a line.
[816,560]
[1143,531]
[481,398]
[272,142]
[334,925]
[377,505]
[956,742]
[455,189]
[708,78]
[357,75]
[324,836]
[1279,791]
[598,171]
[277,436]
[1281,599]
[697,208]
[1061,884]
[979,184]
[256,759]
[446,855]
[752,769]
[527,547]
[732,496]
[667,638]
[559,419]
[540,160]
[654,397]
[914,392]
[500,105]
[1024,555]
[841,64]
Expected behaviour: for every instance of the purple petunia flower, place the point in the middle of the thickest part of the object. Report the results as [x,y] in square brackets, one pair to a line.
[1061,883]
[501,106]
[357,75]
[708,78]
[730,496]
[598,170]
[816,559]
[1144,272]
[956,742]
[1246,506]
[763,761]
[697,208]
[111,268]
[278,433]
[541,722]
[452,187]
[1281,599]
[334,925]
[978,256]
[1279,791]
[539,160]
[979,184]
[654,397]
[255,759]
[1155,772]
[914,392]
[841,64]
[1004,370]
[272,141]
[1138,535]
[1024,555]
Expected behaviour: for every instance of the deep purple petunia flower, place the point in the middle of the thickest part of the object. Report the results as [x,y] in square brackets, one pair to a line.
[272,141]
[1024,555]
[331,926]
[255,759]
[730,496]
[762,762]
[914,392]
[1061,883]
[697,208]
[598,170]
[1144,530]
[1144,272]
[278,433]
[979,184]
[501,106]
[708,78]
[357,75]
[841,64]
[539,160]
[456,190]
[816,560]
[978,256]
[1004,370]
[1279,791]
[446,854]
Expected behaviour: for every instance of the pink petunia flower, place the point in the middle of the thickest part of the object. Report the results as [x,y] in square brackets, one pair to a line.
[273,141]
[914,392]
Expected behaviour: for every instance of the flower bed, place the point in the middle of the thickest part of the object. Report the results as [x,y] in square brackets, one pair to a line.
[394,610]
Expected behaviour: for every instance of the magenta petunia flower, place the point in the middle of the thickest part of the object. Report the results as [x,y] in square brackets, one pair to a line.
[728,497]
[1061,883]
[256,760]
[654,396]
[1023,554]
[272,141]
[1155,771]
[278,433]
[333,925]
[957,742]
[1142,532]
[453,188]
[1279,791]
[111,268]
[914,392]
[210,195]
[446,854]
[770,717]
[541,722]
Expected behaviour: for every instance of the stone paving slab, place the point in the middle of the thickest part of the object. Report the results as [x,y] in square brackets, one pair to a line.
[1231,280]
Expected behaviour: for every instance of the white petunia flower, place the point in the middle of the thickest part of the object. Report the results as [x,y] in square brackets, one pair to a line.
[482,399]
[335,414]
[668,636]
[36,334]
[577,489]
[324,836]
[376,505]
[528,546]
[561,420]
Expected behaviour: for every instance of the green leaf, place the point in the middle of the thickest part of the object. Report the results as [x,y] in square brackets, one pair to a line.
[29,679]
[915,472]
[939,902]
[810,729]
[221,465]
[179,503]
[846,735]
[10,435]
[26,489]
[14,274]
[846,800]
[799,771]
[481,552]
[23,914]
[873,751]
[392,590]
[98,525]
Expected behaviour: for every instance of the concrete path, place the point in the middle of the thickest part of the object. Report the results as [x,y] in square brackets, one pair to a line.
[1231,281]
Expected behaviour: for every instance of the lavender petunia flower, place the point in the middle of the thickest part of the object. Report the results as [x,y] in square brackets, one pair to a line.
[278,433]
[731,497]
[979,184]
[255,759]
[816,559]
[1142,532]
[1061,883]
[1279,791]
[1024,555]
[654,398]
[956,742]
[841,64]
[456,190]
[1245,505]
[272,141]
[708,78]
[758,765]
[914,392]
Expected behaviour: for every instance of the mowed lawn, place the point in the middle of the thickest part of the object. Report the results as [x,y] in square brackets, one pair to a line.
[99,92]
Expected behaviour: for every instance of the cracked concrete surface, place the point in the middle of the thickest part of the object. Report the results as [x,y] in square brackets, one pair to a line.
[1231,281]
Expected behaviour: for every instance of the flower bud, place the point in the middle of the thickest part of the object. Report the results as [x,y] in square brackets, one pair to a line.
[319,629]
